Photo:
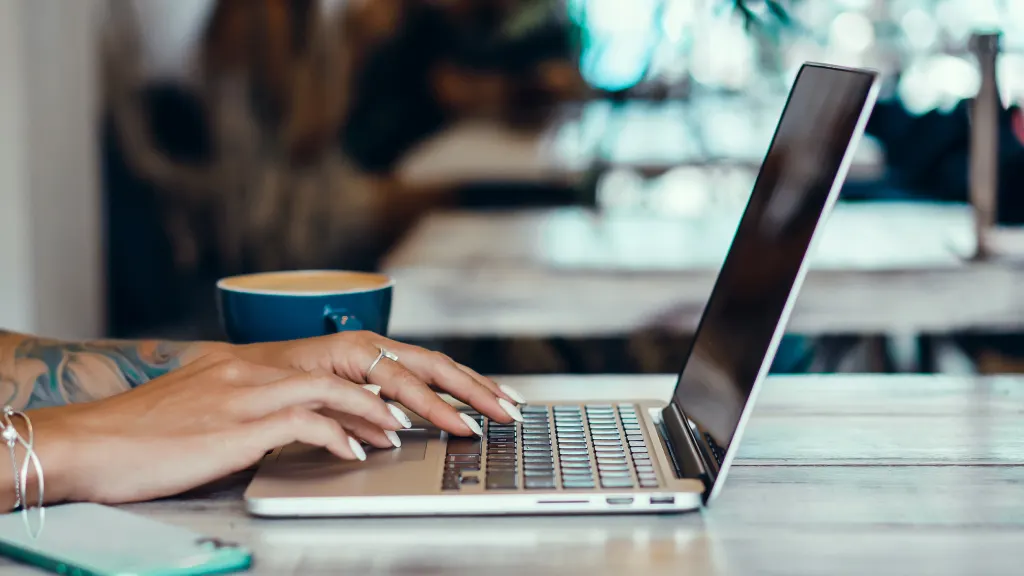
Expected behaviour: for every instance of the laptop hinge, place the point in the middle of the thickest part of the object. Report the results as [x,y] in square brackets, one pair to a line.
[689,459]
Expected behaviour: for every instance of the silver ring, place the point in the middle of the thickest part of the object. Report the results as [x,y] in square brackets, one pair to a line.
[383,354]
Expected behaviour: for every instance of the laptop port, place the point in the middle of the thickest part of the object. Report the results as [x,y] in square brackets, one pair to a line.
[655,500]
[619,501]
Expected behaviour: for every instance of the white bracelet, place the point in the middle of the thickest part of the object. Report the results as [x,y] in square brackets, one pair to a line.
[12,437]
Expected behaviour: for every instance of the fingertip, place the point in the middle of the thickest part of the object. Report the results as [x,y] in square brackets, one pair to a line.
[356,449]
[471,424]
[400,416]
[512,394]
[510,409]
[393,437]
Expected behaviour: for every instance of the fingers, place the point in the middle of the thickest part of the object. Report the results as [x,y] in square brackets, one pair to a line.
[298,425]
[459,381]
[399,383]
[507,391]
[366,431]
[316,390]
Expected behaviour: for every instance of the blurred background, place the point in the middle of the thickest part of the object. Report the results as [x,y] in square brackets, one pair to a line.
[553,183]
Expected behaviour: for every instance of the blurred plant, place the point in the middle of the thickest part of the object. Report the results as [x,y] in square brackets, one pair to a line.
[765,17]
[773,11]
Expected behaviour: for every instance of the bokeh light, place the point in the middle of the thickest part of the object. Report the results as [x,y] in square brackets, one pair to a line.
[924,42]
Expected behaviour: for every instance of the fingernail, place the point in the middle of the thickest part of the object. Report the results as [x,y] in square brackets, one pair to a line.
[472,424]
[357,449]
[512,393]
[512,410]
[374,389]
[402,418]
[393,437]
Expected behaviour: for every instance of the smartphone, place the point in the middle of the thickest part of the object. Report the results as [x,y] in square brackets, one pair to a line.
[95,540]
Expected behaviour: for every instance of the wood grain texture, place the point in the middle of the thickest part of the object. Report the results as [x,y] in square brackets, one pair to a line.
[880,475]
[566,272]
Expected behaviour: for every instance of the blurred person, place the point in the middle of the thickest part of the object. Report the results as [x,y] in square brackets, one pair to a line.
[279,150]
[123,421]
[928,157]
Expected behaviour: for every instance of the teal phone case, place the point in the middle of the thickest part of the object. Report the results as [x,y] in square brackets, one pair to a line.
[94,540]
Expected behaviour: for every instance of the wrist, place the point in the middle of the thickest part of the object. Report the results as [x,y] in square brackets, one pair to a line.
[52,449]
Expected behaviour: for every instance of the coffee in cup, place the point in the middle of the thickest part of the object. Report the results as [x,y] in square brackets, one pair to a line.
[276,306]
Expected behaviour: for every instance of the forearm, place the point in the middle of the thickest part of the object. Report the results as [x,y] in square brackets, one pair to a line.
[39,372]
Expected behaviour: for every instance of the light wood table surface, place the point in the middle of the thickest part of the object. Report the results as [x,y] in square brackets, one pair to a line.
[837,475]
[880,268]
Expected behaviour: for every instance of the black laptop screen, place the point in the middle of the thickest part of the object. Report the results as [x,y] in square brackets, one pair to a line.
[747,303]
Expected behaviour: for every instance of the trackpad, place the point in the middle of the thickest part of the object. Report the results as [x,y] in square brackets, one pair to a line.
[304,460]
[414,447]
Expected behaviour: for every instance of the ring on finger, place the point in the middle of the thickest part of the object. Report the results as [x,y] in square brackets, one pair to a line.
[384,353]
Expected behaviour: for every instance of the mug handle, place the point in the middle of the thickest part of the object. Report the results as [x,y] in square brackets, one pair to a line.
[340,321]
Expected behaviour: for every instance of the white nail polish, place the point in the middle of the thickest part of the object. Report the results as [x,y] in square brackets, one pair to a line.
[357,449]
[512,393]
[375,390]
[402,418]
[472,424]
[510,409]
[393,437]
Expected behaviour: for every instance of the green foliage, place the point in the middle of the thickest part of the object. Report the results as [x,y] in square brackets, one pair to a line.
[770,20]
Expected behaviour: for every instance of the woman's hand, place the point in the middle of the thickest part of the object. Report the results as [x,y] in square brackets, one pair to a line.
[218,415]
[409,380]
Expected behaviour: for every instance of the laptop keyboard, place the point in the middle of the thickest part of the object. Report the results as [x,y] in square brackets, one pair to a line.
[716,451]
[559,447]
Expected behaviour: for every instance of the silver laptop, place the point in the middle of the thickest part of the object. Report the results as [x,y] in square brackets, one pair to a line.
[625,456]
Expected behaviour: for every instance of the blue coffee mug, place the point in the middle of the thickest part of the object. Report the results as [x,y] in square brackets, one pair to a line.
[278,306]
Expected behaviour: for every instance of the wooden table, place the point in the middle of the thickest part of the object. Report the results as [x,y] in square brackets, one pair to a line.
[881,268]
[836,475]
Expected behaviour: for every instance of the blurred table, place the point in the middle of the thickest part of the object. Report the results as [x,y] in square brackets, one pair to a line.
[880,268]
[836,475]
[648,137]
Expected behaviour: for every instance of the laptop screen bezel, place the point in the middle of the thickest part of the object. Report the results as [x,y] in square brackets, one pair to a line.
[715,475]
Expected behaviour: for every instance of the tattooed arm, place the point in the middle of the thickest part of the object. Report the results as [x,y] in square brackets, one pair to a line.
[39,373]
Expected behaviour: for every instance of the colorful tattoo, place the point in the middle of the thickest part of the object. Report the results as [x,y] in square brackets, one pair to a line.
[38,373]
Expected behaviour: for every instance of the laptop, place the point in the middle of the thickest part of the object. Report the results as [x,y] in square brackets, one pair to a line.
[625,456]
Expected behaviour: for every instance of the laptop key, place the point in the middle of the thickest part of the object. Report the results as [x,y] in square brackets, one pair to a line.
[577,465]
[501,480]
[463,446]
